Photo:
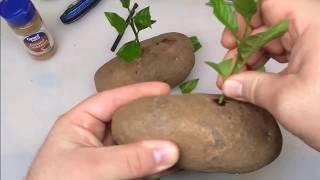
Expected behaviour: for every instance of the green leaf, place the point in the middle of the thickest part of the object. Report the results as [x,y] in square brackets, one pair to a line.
[142,19]
[125,3]
[188,86]
[223,68]
[130,51]
[250,45]
[247,8]
[195,43]
[116,21]
[224,13]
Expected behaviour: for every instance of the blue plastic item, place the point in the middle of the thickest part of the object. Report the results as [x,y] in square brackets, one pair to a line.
[17,12]
[77,9]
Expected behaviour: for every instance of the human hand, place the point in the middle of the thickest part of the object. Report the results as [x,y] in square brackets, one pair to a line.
[293,95]
[80,146]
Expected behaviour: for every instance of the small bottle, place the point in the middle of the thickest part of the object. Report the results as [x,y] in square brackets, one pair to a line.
[26,22]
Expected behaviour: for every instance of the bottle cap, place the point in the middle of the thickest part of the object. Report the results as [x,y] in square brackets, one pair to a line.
[17,12]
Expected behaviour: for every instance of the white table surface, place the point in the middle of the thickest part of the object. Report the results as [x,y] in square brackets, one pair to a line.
[34,93]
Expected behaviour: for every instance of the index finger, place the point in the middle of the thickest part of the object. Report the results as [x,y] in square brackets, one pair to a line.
[91,115]
[104,104]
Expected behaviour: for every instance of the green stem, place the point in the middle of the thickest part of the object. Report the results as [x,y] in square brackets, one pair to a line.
[233,66]
[246,32]
[233,70]
[136,33]
[237,38]
[221,99]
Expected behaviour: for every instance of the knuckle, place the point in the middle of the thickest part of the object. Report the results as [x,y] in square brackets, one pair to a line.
[251,93]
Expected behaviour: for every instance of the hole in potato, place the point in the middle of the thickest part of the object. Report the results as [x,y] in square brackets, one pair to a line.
[217,102]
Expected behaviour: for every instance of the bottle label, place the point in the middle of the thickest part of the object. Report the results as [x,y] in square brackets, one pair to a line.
[38,43]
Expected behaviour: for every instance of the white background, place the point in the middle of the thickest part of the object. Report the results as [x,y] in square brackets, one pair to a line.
[35,93]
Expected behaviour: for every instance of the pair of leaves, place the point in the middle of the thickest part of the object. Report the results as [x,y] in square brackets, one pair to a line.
[195,43]
[250,45]
[142,20]
[188,86]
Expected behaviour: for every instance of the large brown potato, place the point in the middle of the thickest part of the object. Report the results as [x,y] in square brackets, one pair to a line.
[168,58]
[235,138]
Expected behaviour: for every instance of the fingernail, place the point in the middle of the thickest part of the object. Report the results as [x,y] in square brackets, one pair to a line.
[165,156]
[233,89]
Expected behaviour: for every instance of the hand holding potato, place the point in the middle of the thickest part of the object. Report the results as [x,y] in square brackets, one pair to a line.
[293,95]
[79,146]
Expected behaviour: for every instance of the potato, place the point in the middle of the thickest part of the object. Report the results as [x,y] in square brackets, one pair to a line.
[234,138]
[168,58]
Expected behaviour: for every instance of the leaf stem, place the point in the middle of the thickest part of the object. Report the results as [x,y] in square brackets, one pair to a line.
[232,71]
[128,20]
[236,36]
[246,32]
[234,65]
[221,99]
[136,33]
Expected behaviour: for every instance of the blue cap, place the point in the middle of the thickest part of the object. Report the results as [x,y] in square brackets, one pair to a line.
[17,12]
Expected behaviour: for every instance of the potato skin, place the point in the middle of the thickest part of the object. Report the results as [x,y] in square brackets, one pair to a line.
[235,138]
[168,58]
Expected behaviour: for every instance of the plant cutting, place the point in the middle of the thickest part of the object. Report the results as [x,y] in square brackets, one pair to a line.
[214,134]
[168,57]
[138,22]
[247,45]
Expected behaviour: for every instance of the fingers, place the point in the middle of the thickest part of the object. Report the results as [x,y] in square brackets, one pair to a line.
[258,64]
[275,47]
[104,104]
[256,19]
[253,87]
[136,160]
[85,124]
[228,41]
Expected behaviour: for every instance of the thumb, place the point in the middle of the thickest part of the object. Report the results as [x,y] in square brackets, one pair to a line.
[255,87]
[138,160]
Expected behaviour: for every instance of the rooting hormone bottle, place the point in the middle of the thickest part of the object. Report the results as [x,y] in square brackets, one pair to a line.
[26,22]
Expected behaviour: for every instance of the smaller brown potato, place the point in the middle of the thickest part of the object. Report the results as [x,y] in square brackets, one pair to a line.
[168,58]
[234,138]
